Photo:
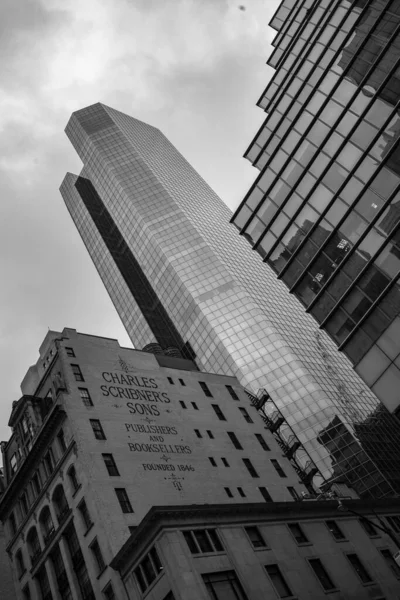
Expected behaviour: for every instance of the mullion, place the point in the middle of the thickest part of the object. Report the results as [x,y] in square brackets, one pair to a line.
[308,129]
[284,30]
[359,121]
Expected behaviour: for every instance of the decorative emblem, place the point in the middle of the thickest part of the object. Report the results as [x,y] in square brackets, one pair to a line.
[165,457]
[176,481]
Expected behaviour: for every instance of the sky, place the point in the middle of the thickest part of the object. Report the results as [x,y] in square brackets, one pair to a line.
[193,68]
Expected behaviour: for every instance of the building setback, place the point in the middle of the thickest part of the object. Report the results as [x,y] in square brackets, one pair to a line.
[100,436]
[324,212]
[179,275]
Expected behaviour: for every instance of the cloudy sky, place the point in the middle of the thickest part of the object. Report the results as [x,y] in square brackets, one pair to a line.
[193,68]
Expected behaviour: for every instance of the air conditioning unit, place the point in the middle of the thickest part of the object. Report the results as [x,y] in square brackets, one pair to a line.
[397,557]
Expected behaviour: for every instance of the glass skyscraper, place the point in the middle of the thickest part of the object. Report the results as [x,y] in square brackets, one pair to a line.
[324,211]
[180,276]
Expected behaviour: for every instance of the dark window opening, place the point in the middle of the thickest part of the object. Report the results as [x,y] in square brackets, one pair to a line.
[232,392]
[205,389]
[234,440]
[249,466]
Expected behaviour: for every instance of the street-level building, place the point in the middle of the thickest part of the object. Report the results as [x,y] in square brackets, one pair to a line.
[100,436]
[179,275]
[324,211]
[303,550]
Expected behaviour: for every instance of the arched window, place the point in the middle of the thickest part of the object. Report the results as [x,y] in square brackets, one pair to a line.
[73,478]
[60,502]
[33,545]
[13,524]
[19,559]
[46,524]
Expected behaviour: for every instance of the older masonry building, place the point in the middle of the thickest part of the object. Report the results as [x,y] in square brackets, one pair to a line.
[100,436]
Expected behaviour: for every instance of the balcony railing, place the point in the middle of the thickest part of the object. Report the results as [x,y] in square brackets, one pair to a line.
[274,421]
[289,446]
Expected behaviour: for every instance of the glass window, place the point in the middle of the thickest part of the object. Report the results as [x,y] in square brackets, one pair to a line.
[218,412]
[245,415]
[123,500]
[224,585]
[232,392]
[110,464]
[108,592]
[73,478]
[84,512]
[198,434]
[61,440]
[359,568]
[70,352]
[278,468]
[368,527]
[249,466]
[391,563]
[97,429]
[205,389]
[262,442]
[203,541]
[255,537]
[278,581]
[298,533]
[321,574]
[335,530]
[20,563]
[96,552]
[77,373]
[265,494]
[85,395]
[212,461]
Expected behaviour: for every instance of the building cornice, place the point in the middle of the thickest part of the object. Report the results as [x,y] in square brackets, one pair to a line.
[164,517]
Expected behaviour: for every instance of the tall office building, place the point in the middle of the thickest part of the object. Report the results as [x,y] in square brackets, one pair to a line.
[324,212]
[180,276]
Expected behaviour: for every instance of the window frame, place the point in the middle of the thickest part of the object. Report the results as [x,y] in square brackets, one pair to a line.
[218,412]
[124,502]
[370,579]
[112,466]
[86,399]
[194,542]
[342,535]
[97,429]
[210,579]
[394,568]
[97,555]
[85,514]
[234,439]
[250,468]
[304,538]
[245,414]
[262,442]
[206,389]
[277,466]
[77,373]
[259,543]
[282,578]
[232,392]
[316,559]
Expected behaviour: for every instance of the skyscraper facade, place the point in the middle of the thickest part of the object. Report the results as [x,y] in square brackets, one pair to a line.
[179,275]
[324,211]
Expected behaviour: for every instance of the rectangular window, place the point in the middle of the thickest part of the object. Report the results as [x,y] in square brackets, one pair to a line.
[218,412]
[86,399]
[298,533]
[49,462]
[97,429]
[278,468]
[262,442]
[110,465]
[293,493]
[195,406]
[255,537]
[182,382]
[97,555]
[225,462]
[44,584]
[20,563]
[245,415]
[13,463]
[205,389]
[249,467]
[13,524]
[147,571]
[265,494]
[368,527]
[24,504]
[70,352]
[394,522]
[232,392]
[36,484]
[83,510]
[124,500]
[181,402]
[241,492]
[335,530]
[234,440]
[278,581]
[77,373]
[171,381]
[203,541]
[228,492]
[108,592]
[321,574]
[212,461]
[359,568]
[391,563]
[210,434]
[61,440]
[198,434]
[224,585]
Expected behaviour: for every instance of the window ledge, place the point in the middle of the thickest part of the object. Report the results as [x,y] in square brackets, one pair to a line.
[332,591]
[77,490]
[261,549]
[209,554]
[369,583]
[89,529]
[302,544]
[153,584]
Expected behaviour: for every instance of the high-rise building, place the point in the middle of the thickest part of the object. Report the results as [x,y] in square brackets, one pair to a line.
[324,211]
[179,275]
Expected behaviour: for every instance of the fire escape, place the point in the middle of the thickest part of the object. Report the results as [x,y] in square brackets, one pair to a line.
[285,437]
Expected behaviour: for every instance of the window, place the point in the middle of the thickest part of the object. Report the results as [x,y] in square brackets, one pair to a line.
[77,373]
[13,463]
[86,399]
[225,462]
[278,581]
[212,461]
[181,402]
[13,524]
[205,389]
[359,568]
[245,415]
[197,432]
[73,479]
[49,462]
[293,493]
[232,392]
[255,537]
[210,434]
[123,500]
[26,592]
[195,406]
[97,555]
[70,351]
[335,530]
[110,465]
[278,468]
[394,522]
[201,541]
[61,440]
[298,533]
[241,492]
[36,484]
[147,571]
[228,492]
[108,592]
[44,584]
[265,494]
[224,585]
[169,596]
[83,509]
[46,523]
[182,382]
[132,528]
[171,381]
[218,412]
[249,467]
[60,503]
[321,574]
[368,527]
[33,545]
[20,563]
[262,442]
[391,563]
[234,440]
[23,502]
[97,429]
